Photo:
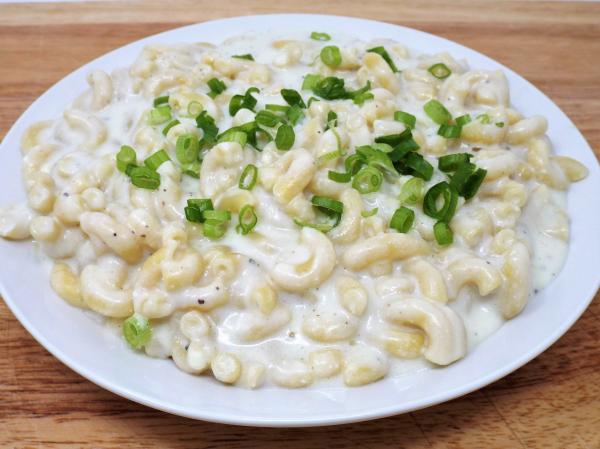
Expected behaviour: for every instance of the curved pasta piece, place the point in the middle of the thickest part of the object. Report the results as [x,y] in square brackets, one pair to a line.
[116,236]
[14,222]
[431,282]
[222,167]
[329,326]
[312,272]
[102,89]
[93,128]
[516,286]
[253,325]
[348,230]
[473,270]
[103,292]
[446,335]
[389,246]
[295,169]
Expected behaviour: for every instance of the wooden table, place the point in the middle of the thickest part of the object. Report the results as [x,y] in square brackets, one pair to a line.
[553,402]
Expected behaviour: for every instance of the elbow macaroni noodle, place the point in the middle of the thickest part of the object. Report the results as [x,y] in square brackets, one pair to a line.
[288,304]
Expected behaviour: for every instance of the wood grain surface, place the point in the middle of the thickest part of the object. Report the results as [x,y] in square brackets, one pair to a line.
[552,402]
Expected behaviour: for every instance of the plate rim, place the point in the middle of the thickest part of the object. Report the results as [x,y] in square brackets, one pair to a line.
[228,418]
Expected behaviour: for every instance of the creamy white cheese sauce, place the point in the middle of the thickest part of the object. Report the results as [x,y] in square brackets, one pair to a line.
[276,238]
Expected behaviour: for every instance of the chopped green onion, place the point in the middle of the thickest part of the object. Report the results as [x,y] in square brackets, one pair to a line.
[310,81]
[451,162]
[331,56]
[463,120]
[418,166]
[406,118]
[403,148]
[192,169]
[437,112]
[376,158]
[325,203]
[216,87]
[353,163]
[247,219]
[324,158]
[144,178]
[411,191]
[187,148]
[193,214]
[248,177]
[125,157]
[328,206]
[383,147]
[403,219]
[267,118]
[443,234]
[196,207]
[194,108]
[292,97]
[247,56]
[381,51]
[246,101]
[234,135]
[361,95]
[369,213]
[160,100]
[277,108]
[207,124]
[320,36]
[159,114]
[137,331]
[500,124]
[215,229]
[445,193]
[367,180]
[331,120]
[330,88]
[221,215]
[467,179]
[394,139]
[285,137]
[483,118]
[360,98]
[201,203]
[156,160]
[323,227]
[294,114]
[449,131]
[339,176]
[440,71]
[473,183]
[169,126]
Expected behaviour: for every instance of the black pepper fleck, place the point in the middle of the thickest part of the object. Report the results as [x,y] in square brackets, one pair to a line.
[201,301]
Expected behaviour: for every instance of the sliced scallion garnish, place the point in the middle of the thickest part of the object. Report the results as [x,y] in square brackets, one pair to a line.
[437,112]
[440,71]
[137,331]
[443,234]
[403,219]
[285,137]
[315,35]
[331,56]
[125,157]
[248,177]
[156,160]
[444,193]
[381,51]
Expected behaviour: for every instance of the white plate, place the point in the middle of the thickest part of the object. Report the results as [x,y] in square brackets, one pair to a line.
[78,340]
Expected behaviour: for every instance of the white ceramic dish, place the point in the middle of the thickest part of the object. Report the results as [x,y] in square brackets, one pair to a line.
[78,339]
